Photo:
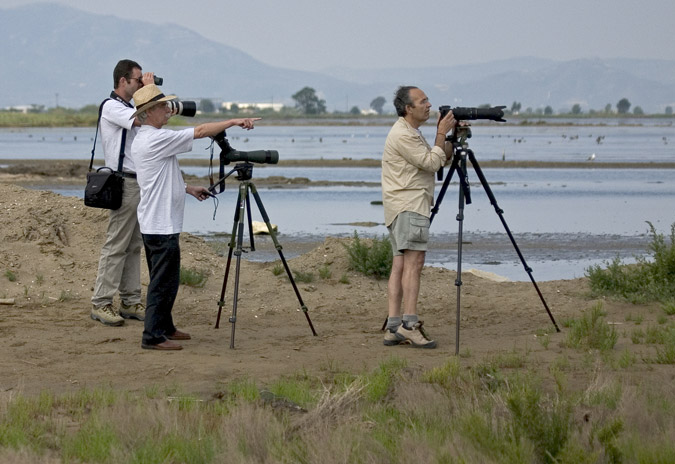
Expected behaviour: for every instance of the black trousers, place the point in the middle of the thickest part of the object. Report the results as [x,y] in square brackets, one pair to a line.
[163,255]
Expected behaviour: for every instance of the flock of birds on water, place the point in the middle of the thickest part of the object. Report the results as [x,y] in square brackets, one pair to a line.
[599,140]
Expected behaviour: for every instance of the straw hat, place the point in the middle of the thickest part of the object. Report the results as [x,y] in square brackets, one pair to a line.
[148,96]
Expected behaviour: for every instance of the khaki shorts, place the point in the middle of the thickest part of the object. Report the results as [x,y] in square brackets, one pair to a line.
[409,231]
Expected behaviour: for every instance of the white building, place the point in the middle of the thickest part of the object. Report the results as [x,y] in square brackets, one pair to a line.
[252,106]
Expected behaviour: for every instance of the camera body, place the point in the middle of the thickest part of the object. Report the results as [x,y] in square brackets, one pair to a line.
[495,113]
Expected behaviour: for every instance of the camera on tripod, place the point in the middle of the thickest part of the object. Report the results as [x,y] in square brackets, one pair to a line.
[229,154]
[495,113]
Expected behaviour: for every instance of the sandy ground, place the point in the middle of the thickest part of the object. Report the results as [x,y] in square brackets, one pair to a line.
[49,247]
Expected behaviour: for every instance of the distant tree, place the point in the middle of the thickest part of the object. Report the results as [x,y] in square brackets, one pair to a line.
[576,109]
[548,111]
[308,102]
[377,104]
[355,110]
[515,107]
[234,108]
[206,106]
[623,106]
[669,110]
[637,111]
[89,109]
[608,108]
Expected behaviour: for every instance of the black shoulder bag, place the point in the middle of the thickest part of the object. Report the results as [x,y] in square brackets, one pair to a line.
[104,186]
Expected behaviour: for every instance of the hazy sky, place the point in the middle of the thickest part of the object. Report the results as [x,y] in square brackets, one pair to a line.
[315,34]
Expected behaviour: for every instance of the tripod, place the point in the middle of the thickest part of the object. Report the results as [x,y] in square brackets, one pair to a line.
[243,209]
[461,152]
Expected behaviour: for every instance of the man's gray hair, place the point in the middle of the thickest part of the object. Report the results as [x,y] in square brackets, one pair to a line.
[402,99]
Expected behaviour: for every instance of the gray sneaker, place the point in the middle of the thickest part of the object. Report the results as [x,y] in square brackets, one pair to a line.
[107,315]
[391,338]
[416,336]
[134,311]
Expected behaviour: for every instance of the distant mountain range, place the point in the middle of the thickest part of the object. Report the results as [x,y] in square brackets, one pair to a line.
[55,55]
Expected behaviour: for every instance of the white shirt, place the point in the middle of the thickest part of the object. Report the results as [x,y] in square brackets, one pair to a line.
[154,152]
[114,118]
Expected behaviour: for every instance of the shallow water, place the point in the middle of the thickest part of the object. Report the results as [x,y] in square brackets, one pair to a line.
[652,141]
[564,219]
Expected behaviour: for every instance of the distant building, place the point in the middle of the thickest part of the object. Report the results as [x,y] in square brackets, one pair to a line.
[252,106]
[20,108]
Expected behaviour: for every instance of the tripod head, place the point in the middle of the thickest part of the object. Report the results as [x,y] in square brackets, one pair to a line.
[459,137]
[459,143]
[244,171]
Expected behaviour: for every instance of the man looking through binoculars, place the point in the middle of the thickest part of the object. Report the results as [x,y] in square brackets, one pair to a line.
[409,166]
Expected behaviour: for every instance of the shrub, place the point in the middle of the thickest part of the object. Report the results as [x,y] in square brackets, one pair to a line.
[648,280]
[591,331]
[372,260]
[192,277]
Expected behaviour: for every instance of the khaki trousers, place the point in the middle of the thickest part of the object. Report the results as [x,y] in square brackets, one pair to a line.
[119,268]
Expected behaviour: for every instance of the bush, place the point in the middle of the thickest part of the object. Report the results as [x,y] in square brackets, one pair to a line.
[372,260]
[648,280]
[192,277]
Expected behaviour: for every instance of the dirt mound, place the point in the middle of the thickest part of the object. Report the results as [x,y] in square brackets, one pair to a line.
[49,248]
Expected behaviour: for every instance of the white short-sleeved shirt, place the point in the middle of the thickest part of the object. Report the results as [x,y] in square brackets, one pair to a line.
[114,118]
[154,152]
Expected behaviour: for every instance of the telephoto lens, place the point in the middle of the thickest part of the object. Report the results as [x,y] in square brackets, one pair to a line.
[183,108]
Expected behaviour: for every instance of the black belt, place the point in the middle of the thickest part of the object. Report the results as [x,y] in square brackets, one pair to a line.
[129,174]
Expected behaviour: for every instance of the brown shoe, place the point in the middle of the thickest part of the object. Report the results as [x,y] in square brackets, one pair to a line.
[178,335]
[167,345]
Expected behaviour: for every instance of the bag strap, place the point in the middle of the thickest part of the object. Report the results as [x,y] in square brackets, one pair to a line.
[98,123]
[120,163]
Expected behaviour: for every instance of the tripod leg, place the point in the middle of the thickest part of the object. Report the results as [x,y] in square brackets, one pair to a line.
[444,188]
[460,237]
[243,193]
[250,223]
[499,211]
[231,245]
[281,255]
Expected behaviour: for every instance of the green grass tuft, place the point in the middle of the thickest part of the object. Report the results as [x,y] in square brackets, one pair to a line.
[372,260]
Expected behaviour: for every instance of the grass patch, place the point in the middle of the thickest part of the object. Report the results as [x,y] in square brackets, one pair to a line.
[651,279]
[591,331]
[11,275]
[372,257]
[278,269]
[192,277]
[452,413]
[303,277]
[325,273]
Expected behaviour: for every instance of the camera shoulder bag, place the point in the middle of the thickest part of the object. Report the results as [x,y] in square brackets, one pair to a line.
[104,186]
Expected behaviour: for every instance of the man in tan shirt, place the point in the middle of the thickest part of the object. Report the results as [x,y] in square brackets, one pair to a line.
[409,165]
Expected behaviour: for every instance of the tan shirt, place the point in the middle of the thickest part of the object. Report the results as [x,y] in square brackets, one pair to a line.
[409,167]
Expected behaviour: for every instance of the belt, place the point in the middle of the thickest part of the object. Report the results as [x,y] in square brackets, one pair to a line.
[132,175]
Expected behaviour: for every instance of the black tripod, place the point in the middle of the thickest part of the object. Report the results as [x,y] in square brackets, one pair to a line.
[243,209]
[460,154]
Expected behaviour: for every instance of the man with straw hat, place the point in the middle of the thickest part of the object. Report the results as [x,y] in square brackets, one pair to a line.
[160,212]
